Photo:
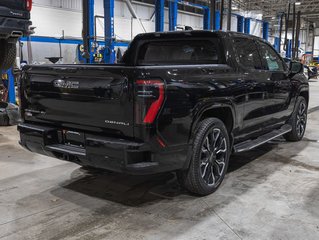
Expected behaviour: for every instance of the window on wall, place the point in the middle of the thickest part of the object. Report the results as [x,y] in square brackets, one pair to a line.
[248,53]
[270,58]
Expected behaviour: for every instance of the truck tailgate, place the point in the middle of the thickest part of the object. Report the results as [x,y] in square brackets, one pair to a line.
[91,98]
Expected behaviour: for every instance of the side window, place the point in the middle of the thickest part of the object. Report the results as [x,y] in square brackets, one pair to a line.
[270,58]
[248,53]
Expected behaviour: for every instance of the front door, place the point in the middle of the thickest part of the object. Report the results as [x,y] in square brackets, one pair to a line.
[277,72]
[259,89]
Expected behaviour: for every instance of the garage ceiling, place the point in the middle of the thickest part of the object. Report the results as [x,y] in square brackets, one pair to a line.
[271,8]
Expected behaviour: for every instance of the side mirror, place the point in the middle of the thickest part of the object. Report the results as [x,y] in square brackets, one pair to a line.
[296,67]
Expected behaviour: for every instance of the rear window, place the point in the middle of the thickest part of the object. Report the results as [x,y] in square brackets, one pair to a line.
[13,4]
[195,51]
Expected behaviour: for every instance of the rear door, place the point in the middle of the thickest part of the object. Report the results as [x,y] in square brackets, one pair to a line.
[14,8]
[92,98]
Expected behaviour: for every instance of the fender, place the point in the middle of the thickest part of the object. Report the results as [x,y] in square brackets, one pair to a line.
[198,115]
[207,106]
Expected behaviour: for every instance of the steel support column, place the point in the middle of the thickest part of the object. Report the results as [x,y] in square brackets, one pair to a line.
[297,42]
[277,44]
[221,14]
[109,55]
[91,29]
[11,87]
[213,14]
[281,19]
[293,29]
[172,11]
[247,25]
[88,28]
[286,29]
[206,18]
[229,15]
[217,20]
[240,23]
[265,30]
[159,15]
[288,50]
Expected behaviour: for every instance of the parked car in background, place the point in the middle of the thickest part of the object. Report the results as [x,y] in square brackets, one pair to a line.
[180,101]
[14,23]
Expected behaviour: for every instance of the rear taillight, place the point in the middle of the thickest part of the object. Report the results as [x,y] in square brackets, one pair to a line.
[149,98]
[29,5]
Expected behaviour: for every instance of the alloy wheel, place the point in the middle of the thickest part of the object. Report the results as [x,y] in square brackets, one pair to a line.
[301,119]
[213,155]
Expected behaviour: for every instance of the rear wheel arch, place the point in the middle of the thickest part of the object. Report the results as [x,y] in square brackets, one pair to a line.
[223,113]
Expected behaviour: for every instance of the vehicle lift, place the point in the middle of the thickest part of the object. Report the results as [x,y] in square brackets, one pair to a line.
[290,46]
[213,22]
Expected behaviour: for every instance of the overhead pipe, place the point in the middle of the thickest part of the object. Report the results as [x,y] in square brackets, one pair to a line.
[213,14]
[221,14]
[229,15]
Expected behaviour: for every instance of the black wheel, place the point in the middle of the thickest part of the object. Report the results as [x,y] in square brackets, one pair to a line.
[8,51]
[298,121]
[211,150]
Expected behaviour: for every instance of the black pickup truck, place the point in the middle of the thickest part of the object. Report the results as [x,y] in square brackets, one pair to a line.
[180,101]
[14,23]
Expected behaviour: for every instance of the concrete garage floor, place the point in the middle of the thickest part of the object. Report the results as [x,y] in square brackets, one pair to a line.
[270,193]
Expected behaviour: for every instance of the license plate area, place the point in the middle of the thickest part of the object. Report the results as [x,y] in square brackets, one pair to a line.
[73,138]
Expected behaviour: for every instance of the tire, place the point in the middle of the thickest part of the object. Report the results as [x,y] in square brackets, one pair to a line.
[210,158]
[298,121]
[4,119]
[8,53]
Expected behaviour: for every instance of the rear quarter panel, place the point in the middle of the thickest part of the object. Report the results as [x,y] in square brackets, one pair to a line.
[191,90]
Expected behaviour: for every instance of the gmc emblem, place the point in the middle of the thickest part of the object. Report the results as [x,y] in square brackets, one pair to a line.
[59,83]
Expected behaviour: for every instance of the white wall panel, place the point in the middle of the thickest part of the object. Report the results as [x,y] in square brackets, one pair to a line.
[51,22]
[256,28]
[234,21]
[40,51]
[64,4]
[316,52]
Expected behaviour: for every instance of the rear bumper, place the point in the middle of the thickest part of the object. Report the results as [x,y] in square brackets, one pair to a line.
[14,27]
[113,154]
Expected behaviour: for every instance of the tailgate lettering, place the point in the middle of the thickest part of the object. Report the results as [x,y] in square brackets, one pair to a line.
[59,83]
